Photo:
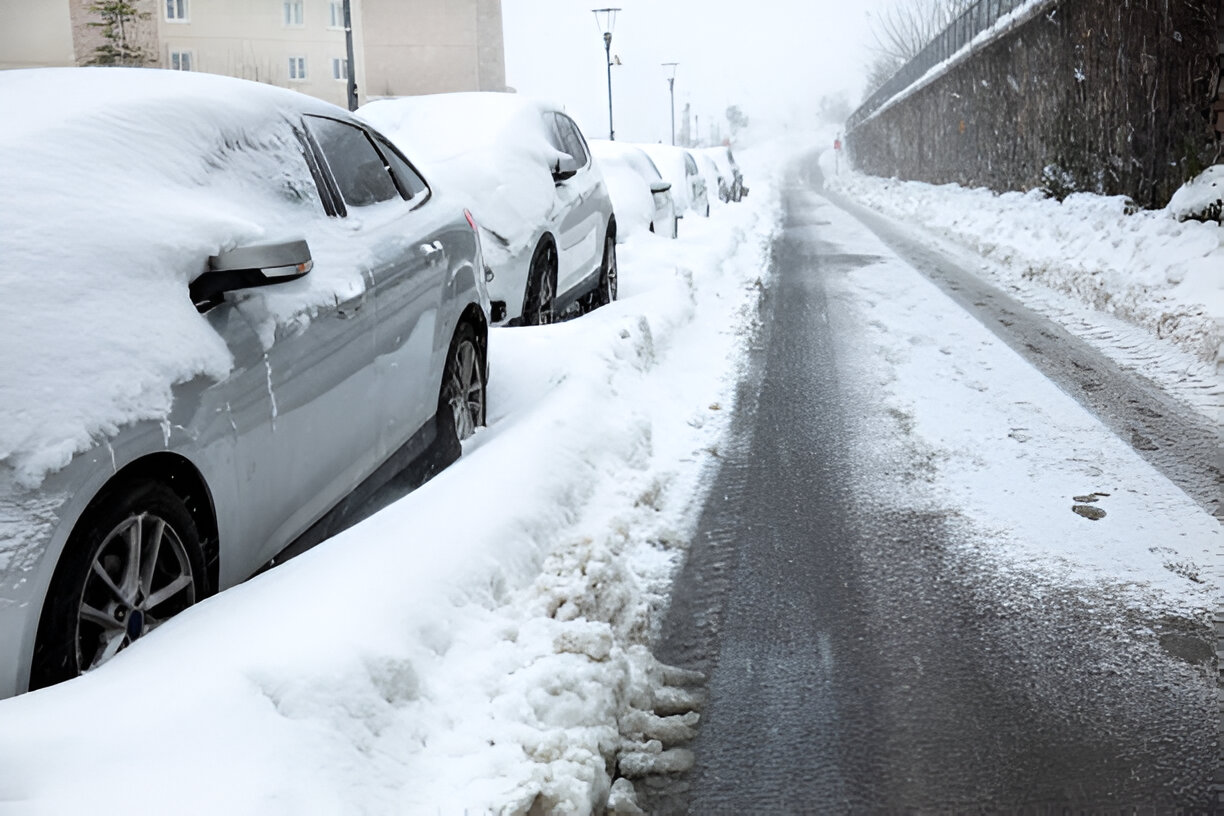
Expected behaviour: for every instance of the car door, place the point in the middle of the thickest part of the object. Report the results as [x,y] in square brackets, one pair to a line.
[581,223]
[409,285]
[314,436]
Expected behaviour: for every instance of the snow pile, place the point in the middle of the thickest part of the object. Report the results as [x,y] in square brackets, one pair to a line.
[628,183]
[477,646]
[495,147]
[1201,198]
[1144,267]
[118,186]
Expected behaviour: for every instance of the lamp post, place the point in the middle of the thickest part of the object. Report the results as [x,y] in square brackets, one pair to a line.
[671,86]
[348,50]
[605,26]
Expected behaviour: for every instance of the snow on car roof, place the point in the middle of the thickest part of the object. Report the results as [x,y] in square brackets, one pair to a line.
[494,147]
[118,185]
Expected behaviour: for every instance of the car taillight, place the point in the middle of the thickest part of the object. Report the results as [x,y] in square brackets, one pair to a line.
[471,221]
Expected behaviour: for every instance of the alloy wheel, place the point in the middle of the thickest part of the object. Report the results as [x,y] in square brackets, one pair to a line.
[140,576]
[466,389]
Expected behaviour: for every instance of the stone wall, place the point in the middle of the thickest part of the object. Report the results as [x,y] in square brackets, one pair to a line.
[1104,96]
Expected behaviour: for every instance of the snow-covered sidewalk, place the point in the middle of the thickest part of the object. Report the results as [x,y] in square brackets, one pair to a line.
[476,646]
[1142,286]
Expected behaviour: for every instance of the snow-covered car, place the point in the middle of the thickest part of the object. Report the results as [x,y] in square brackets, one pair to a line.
[228,307]
[640,196]
[711,174]
[733,188]
[680,168]
[535,190]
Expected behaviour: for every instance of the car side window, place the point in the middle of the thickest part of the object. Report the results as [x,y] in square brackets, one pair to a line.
[356,166]
[409,181]
[690,166]
[572,140]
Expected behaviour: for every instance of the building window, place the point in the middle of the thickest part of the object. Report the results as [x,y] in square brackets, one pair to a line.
[177,11]
[180,60]
[293,12]
[336,14]
[297,68]
[339,68]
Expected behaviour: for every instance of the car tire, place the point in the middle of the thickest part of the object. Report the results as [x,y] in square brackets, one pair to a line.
[541,286]
[707,212]
[609,276]
[118,580]
[462,399]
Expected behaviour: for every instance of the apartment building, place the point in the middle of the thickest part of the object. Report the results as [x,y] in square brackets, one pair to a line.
[400,46]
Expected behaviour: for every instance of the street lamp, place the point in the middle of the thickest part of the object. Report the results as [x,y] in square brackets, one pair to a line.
[671,86]
[605,26]
[348,50]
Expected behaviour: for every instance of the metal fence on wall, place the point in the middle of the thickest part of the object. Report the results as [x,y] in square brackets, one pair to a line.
[977,18]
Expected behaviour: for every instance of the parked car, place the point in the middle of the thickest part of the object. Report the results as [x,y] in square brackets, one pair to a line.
[228,306]
[680,168]
[640,196]
[533,187]
[713,177]
[729,170]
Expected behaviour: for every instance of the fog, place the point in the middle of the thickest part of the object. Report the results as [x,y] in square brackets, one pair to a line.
[775,59]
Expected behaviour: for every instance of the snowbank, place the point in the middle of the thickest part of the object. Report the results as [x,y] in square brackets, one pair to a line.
[476,646]
[1144,267]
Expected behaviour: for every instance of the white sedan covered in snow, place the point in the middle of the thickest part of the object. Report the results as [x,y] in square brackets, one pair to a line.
[680,168]
[533,186]
[640,195]
[227,306]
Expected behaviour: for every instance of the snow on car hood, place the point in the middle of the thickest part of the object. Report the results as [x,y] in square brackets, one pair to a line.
[118,185]
[493,147]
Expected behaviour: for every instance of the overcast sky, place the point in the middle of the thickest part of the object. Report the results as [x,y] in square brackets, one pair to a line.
[773,58]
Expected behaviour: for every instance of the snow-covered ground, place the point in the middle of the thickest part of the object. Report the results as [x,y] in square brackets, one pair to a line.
[480,644]
[1142,286]
[966,427]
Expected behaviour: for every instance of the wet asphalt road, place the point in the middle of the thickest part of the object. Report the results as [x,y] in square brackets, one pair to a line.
[859,662]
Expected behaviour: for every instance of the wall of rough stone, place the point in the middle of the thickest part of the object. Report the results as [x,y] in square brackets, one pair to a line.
[1104,96]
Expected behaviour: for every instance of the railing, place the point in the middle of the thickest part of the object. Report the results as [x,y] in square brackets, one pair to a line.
[973,21]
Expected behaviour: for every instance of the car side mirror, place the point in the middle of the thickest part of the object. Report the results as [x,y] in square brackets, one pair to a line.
[247,267]
[565,167]
[660,186]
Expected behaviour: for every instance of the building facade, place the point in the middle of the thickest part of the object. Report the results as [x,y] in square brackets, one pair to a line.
[400,47]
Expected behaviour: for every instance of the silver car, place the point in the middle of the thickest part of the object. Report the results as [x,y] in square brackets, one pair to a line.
[533,186]
[347,292]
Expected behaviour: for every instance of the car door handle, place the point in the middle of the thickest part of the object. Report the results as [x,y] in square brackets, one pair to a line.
[349,308]
[433,251]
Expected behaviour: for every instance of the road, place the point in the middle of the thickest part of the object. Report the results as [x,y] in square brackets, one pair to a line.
[858,662]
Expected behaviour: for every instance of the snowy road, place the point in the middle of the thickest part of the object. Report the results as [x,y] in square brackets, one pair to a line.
[895,606]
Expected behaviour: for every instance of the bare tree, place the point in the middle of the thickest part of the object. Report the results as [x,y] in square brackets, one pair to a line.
[903,29]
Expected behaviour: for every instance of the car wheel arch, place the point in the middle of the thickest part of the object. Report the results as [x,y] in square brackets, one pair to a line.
[184,479]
